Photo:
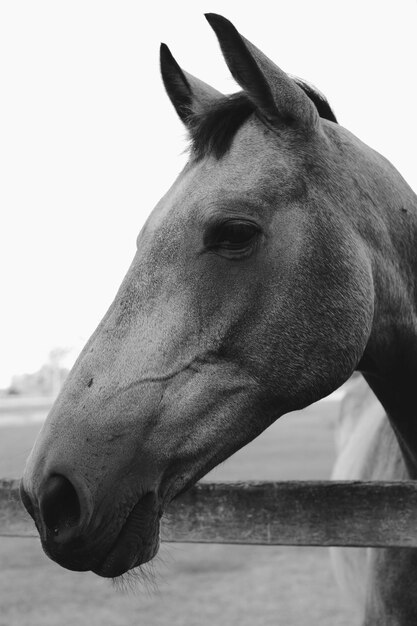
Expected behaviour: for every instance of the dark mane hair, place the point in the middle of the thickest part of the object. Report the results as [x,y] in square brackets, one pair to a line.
[212,132]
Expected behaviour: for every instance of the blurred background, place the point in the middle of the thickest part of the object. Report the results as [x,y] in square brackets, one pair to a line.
[88,144]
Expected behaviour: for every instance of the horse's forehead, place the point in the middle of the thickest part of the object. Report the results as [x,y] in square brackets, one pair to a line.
[249,171]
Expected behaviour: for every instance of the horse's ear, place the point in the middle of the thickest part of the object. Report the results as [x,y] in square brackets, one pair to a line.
[189,95]
[277,97]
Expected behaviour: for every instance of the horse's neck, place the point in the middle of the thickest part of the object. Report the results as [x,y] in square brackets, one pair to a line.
[390,360]
[397,396]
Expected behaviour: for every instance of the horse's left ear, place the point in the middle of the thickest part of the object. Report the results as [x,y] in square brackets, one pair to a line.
[277,97]
[189,95]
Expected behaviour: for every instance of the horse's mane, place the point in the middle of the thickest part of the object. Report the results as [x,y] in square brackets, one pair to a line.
[212,132]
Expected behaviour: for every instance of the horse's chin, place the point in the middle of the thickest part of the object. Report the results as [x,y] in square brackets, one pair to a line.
[137,542]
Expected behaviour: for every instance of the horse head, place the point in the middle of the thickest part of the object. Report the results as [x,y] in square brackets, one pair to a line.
[250,295]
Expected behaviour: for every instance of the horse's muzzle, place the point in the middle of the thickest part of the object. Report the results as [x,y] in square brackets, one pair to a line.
[72,536]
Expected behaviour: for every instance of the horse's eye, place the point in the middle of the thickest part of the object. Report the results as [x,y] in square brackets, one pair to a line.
[232,238]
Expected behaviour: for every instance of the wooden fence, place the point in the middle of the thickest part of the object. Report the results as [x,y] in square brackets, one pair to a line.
[296,513]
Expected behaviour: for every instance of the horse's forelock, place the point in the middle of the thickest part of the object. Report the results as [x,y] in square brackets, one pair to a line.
[212,132]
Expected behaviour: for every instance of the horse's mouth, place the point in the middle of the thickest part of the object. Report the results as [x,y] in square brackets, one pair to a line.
[137,542]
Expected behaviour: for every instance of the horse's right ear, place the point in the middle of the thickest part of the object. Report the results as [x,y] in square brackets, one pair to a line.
[277,97]
[189,95]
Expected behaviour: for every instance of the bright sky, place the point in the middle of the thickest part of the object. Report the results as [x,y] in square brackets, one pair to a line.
[89,140]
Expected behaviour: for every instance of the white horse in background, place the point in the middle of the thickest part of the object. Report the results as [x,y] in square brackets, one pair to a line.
[379,582]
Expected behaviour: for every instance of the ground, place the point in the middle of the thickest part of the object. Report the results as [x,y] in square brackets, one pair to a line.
[191,585]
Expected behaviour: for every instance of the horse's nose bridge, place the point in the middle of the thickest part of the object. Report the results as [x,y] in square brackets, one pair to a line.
[59,467]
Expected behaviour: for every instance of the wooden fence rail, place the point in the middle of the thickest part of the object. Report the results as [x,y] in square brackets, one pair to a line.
[307,513]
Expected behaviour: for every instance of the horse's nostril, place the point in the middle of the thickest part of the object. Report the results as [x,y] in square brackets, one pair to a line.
[59,504]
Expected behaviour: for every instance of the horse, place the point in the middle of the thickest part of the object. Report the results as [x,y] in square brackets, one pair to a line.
[281,260]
